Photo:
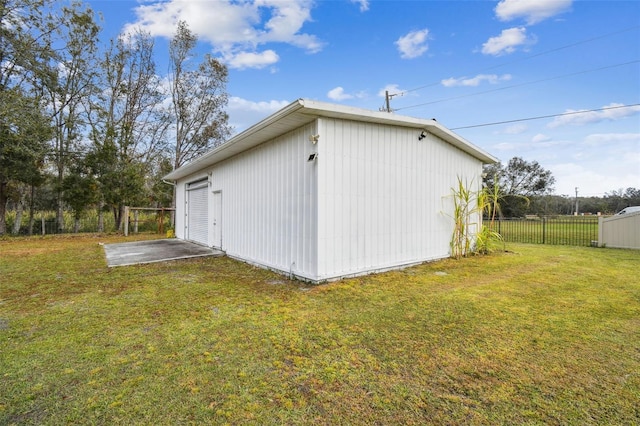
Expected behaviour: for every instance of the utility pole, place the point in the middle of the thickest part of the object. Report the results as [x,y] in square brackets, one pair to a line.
[576,214]
[387,101]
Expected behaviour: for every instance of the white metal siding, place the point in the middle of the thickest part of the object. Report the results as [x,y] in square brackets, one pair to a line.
[216,220]
[621,231]
[384,196]
[269,208]
[375,198]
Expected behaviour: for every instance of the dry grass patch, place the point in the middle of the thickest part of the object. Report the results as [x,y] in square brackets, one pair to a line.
[542,335]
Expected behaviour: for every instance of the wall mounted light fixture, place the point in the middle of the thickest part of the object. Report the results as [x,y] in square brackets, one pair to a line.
[313,157]
[314,139]
[422,135]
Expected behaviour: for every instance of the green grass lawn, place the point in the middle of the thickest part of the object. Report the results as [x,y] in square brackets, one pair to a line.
[537,335]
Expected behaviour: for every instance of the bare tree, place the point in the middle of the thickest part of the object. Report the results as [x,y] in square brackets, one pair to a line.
[128,127]
[198,94]
[74,67]
[131,108]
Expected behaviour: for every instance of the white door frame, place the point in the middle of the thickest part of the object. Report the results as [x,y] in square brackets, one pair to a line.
[217,219]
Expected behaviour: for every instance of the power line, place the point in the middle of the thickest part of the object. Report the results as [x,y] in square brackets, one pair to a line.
[526,58]
[545,116]
[519,85]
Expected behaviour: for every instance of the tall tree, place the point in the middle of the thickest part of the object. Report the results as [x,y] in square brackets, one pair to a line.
[24,133]
[128,127]
[198,94]
[24,48]
[518,181]
[616,200]
[80,190]
[24,53]
[131,101]
[75,40]
[120,183]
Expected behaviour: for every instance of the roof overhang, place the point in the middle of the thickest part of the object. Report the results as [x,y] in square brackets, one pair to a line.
[304,111]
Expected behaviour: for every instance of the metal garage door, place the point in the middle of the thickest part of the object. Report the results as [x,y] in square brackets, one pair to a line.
[197,212]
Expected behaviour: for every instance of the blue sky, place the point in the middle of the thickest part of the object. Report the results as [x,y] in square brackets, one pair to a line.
[465,63]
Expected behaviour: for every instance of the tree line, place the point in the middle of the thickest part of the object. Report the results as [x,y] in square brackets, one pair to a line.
[526,188]
[84,124]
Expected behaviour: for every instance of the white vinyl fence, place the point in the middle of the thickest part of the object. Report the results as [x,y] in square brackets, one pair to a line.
[621,231]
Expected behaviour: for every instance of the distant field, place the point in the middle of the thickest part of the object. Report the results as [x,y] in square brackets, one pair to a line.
[537,335]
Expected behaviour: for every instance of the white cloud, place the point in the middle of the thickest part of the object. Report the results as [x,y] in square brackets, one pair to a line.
[539,147]
[504,146]
[475,81]
[515,129]
[244,113]
[266,107]
[593,178]
[533,11]
[338,94]
[244,60]
[595,163]
[364,4]
[234,29]
[414,44]
[582,117]
[393,89]
[287,18]
[613,138]
[506,42]
[540,138]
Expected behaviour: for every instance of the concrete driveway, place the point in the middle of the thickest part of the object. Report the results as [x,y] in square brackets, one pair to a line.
[137,252]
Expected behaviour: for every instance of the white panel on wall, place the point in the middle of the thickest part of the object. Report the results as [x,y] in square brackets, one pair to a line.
[269,206]
[384,196]
[622,231]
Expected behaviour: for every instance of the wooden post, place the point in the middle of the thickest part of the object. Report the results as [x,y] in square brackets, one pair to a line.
[126,221]
[43,224]
[135,221]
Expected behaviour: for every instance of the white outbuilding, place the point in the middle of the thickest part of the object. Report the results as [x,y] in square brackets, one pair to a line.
[321,191]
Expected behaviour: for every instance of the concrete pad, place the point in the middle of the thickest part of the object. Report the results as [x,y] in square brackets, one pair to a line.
[137,252]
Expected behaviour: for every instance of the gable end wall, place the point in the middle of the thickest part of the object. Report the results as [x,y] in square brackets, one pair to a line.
[269,204]
[384,196]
